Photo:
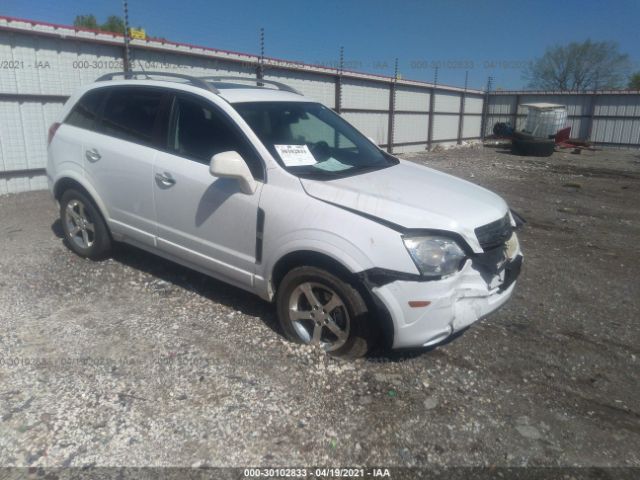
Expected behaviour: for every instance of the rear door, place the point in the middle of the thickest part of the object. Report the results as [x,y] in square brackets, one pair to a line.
[69,145]
[205,220]
[119,158]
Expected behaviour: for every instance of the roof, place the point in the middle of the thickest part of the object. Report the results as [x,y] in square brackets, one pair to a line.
[232,89]
[543,105]
[232,93]
[260,94]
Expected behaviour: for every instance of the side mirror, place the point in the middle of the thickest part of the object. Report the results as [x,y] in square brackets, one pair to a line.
[232,165]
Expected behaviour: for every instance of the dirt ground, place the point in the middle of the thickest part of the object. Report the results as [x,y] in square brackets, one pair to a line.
[136,361]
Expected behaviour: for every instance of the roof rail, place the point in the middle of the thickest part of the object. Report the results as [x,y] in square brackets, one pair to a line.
[195,81]
[258,82]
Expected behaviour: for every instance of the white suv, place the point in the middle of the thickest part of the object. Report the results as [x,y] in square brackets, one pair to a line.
[277,194]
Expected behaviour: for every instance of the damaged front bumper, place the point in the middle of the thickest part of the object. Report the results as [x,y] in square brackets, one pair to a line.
[479,288]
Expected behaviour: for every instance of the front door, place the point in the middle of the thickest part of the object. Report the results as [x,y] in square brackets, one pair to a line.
[203,220]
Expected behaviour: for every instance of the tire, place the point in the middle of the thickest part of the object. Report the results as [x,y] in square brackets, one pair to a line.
[317,325]
[533,147]
[85,231]
[522,136]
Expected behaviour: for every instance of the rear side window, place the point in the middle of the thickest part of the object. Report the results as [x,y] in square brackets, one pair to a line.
[131,114]
[200,131]
[85,113]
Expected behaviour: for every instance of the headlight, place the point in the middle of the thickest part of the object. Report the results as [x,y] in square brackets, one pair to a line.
[434,256]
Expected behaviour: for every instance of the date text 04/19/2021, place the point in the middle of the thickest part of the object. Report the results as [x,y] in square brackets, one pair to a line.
[317,472]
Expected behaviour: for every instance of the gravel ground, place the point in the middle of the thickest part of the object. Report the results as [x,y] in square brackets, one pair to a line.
[136,361]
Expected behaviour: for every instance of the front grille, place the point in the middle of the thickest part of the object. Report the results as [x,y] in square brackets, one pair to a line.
[494,234]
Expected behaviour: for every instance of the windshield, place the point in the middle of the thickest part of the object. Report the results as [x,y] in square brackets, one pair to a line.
[309,139]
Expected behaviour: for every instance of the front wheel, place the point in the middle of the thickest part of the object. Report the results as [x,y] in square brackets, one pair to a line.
[318,308]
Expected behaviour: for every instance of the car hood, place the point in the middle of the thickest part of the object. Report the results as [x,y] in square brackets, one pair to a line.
[414,196]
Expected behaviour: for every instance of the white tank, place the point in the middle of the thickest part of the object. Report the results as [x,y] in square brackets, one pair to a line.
[545,121]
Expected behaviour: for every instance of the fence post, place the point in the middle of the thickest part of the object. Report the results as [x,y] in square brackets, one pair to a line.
[592,113]
[432,106]
[463,99]
[432,101]
[392,109]
[514,115]
[485,109]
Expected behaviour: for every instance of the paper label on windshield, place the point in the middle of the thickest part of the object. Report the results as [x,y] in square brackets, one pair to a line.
[295,155]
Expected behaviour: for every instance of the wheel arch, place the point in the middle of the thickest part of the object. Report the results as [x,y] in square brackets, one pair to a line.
[308,258]
[312,258]
[70,180]
[66,182]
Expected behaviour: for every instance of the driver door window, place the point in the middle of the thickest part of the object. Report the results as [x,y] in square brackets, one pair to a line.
[199,131]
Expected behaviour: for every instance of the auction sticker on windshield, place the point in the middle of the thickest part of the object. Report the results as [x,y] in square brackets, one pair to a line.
[295,155]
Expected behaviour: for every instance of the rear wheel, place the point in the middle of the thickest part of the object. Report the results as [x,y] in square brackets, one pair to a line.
[84,228]
[316,307]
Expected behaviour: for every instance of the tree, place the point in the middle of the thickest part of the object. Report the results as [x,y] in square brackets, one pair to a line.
[113,24]
[86,21]
[634,81]
[579,66]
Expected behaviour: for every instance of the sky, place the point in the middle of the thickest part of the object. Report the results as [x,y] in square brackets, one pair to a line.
[484,37]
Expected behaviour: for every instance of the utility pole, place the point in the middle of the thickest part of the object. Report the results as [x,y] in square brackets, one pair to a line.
[260,68]
[127,52]
[338,95]
[338,88]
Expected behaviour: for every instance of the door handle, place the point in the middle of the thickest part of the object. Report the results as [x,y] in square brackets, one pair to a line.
[165,179]
[93,155]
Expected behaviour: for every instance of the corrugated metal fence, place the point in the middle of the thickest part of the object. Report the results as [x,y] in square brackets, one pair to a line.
[606,118]
[42,64]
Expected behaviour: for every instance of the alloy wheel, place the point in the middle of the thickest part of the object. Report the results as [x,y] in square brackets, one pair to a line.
[319,316]
[80,228]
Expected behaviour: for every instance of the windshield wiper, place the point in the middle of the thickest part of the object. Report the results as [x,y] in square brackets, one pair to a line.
[369,168]
[320,173]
